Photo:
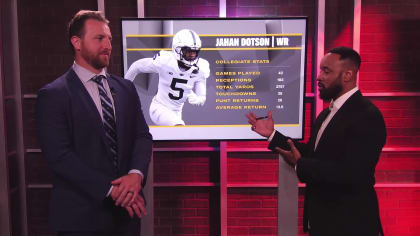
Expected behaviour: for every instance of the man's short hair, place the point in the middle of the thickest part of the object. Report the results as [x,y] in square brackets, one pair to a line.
[77,23]
[348,54]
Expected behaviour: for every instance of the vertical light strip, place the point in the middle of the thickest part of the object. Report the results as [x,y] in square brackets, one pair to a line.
[5,215]
[140,8]
[222,8]
[223,188]
[148,224]
[223,160]
[356,27]
[101,6]
[287,200]
[320,41]
[20,146]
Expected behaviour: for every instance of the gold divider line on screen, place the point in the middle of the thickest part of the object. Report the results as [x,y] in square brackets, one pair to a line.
[204,126]
[216,49]
[207,35]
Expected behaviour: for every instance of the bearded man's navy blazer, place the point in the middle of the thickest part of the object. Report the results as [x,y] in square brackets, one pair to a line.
[73,141]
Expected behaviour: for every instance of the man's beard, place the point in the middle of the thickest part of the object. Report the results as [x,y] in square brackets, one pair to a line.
[333,91]
[95,59]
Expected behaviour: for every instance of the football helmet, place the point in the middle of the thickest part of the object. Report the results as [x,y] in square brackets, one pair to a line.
[186,45]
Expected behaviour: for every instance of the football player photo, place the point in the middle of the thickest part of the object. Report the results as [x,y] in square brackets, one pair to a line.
[182,76]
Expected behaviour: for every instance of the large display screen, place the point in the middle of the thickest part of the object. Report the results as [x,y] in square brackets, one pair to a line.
[197,78]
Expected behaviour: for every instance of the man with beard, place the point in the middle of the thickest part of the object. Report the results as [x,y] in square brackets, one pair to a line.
[338,162]
[95,139]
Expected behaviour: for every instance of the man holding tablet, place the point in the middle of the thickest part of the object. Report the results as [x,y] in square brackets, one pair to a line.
[338,163]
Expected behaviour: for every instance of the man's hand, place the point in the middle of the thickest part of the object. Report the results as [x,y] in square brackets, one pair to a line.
[137,207]
[292,156]
[263,127]
[125,189]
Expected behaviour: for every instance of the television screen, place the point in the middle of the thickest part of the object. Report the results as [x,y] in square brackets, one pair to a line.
[197,78]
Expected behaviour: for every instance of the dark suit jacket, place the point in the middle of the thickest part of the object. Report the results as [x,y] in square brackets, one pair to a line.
[73,140]
[339,197]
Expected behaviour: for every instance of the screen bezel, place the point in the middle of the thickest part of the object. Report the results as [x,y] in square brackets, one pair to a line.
[224,19]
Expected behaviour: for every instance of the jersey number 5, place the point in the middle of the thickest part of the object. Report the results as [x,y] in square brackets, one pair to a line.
[180,90]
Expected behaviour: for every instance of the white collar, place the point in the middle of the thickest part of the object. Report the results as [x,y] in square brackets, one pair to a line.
[337,103]
[85,74]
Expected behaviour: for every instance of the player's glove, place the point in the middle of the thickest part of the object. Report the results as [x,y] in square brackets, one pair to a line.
[196,100]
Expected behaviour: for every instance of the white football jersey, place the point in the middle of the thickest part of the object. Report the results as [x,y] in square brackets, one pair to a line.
[174,85]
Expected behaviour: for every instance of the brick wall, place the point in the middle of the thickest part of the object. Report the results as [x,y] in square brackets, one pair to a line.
[186,211]
[338,23]
[398,167]
[390,51]
[252,168]
[186,167]
[252,211]
[114,11]
[389,46]
[401,118]
[400,208]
